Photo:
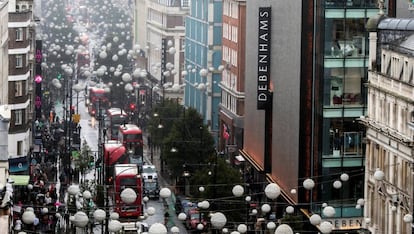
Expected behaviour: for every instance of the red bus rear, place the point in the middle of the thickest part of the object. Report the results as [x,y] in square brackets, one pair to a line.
[114,152]
[97,99]
[130,135]
[127,176]
[114,118]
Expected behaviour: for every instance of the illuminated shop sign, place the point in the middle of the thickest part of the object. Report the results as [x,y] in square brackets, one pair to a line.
[263,51]
[346,224]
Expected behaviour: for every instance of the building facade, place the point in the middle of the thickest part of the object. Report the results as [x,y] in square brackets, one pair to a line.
[203,56]
[20,80]
[4,99]
[165,32]
[389,126]
[231,107]
[306,65]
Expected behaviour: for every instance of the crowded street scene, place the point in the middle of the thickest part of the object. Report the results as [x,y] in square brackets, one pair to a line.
[206,117]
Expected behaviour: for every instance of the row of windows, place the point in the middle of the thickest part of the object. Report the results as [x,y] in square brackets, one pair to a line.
[229,101]
[398,67]
[230,8]
[229,79]
[389,112]
[230,32]
[155,16]
[230,56]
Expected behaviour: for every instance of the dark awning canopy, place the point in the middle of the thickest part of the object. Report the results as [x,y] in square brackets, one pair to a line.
[18,164]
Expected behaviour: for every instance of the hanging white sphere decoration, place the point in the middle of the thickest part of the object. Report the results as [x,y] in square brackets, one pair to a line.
[408,218]
[329,211]
[379,175]
[293,191]
[271,225]
[266,208]
[361,201]
[344,177]
[290,209]
[283,229]
[315,219]
[218,220]
[337,184]
[272,191]
[238,190]
[151,211]
[308,184]
[242,228]
[326,227]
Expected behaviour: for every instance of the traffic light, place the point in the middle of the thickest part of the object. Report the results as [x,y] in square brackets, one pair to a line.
[132,106]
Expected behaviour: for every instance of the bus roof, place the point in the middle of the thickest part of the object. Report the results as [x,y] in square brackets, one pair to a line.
[113,152]
[126,169]
[116,111]
[130,129]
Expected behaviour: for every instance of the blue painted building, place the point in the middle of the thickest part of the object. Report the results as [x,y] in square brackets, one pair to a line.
[203,58]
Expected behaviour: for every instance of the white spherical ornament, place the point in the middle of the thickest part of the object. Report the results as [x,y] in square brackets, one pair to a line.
[271,225]
[200,226]
[182,216]
[408,218]
[254,212]
[283,229]
[361,201]
[128,196]
[175,229]
[324,205]
[367,220]
[238,190]
[293,191]
[315,219]
[272,191]
[344,177]
[308,184]
[337,184]
[379,175]
[218,220]
[242,228]
[165,192]
[329,211]
[290,209]
[158,228]
[201,189]
[266,208]
[325,227]
[151,211]
[248,198]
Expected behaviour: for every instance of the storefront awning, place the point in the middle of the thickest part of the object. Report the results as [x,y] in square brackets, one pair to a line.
[20,179]
[18,164]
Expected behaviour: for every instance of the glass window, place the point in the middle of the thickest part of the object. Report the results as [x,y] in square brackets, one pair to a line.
[344,37]
[18,88]
[343,86]
[19,34]
[18,117]
[19,61]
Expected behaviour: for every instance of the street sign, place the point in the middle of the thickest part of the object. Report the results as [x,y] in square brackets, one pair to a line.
[76,118]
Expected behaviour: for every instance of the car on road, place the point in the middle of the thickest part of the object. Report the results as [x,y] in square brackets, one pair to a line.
[194,217]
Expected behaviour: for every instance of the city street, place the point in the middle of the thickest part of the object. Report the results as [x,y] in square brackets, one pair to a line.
[90,135]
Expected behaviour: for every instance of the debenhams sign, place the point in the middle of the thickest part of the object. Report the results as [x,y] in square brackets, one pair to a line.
[263,66]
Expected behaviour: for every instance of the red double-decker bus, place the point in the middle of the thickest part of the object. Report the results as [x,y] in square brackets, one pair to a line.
[130,135]
[127,176]
[97,98]
[114,118]
[114,153]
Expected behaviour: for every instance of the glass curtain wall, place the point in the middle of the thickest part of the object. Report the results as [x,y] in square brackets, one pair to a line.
[345,59]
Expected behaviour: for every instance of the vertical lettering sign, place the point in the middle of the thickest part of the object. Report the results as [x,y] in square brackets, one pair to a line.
[38,85]
[263,51]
